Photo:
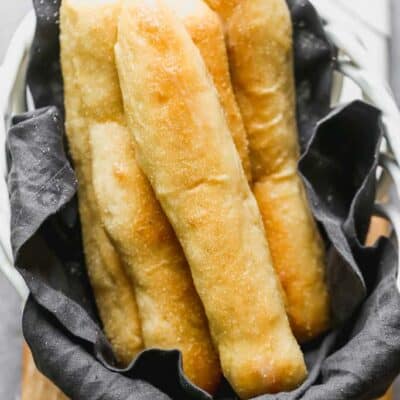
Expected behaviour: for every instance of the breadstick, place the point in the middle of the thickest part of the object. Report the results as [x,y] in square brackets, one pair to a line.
[114,295]
[259,35]
[186,150]
[171,312]
[224,8]
[206,31]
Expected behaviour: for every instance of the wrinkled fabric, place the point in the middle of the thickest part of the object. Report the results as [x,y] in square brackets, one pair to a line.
[338,168]
[357,360]
[367,358]
[47,247]
[44,75]
[87,379]
[314,58]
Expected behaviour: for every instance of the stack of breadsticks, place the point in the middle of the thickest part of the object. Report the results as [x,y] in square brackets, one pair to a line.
[180,118]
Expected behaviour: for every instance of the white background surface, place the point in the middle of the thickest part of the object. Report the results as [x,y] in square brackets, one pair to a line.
[11,13]
[371,19]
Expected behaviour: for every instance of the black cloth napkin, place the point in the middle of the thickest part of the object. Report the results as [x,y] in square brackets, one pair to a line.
[357,360]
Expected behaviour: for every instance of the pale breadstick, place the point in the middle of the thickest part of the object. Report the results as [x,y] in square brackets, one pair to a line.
[185,148]
[171,312]
[206,31]
[259,35]
[85,33]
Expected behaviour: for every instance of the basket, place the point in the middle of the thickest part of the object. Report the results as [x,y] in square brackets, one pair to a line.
[352,64]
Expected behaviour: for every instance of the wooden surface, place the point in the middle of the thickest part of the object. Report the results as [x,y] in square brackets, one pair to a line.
[388,396]
[379,227]
[36,387]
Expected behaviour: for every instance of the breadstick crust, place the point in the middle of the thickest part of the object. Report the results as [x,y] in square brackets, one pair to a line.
[260,49]
[206,30]
[185,149]
[171,312]
[224,8]
[112,289]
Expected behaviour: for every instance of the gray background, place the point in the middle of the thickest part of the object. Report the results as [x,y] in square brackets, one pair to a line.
[10,307]
[395,49]
[11,13]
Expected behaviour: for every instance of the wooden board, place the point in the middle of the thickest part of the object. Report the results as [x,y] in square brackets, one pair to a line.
[388,395]
[37,387]
[379,227]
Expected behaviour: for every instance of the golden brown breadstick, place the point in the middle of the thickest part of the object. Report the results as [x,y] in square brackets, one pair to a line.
[171,312]
[86,101]
[186,150]
[206,31]
[259,35]
[224,8]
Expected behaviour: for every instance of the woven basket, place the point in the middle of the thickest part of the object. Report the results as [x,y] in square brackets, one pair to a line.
[352,65]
